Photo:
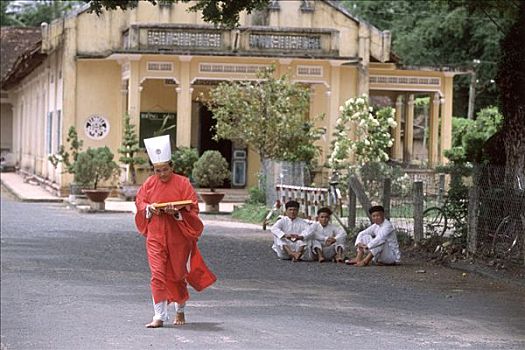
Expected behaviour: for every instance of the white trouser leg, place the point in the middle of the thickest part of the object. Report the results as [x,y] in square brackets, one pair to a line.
[179,308]
[161,311]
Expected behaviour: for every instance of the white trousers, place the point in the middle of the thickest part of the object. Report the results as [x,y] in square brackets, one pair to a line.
[161,310]
[278,247]
[330,251]
[381,253]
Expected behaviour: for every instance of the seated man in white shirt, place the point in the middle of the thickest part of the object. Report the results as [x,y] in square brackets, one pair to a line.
[291,236]
[328,240]
[377,243]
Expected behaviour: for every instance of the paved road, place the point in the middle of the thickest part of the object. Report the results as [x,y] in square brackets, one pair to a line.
[80,281]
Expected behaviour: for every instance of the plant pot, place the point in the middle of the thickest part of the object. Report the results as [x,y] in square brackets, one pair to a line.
[212,200]
[97,198]
[128,192]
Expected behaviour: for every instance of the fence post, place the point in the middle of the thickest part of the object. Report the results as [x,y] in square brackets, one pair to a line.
[387,189]
[352,207]
[441,188]
[359,190]
[473,205]
[418,211]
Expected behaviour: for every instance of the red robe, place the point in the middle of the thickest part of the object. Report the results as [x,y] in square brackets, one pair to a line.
[170,242]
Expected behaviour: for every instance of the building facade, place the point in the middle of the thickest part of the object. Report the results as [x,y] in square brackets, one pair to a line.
[157,61]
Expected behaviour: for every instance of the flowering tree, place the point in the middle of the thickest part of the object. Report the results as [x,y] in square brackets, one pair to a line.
[372,134]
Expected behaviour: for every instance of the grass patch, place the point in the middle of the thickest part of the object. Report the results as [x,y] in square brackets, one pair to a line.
[252,213]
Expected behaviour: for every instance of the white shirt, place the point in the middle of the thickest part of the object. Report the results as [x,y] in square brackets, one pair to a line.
[382,234]
[286,225]
[321,234]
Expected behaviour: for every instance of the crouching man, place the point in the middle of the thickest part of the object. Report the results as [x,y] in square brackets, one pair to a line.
[291,237]
[328,240]
[377,243]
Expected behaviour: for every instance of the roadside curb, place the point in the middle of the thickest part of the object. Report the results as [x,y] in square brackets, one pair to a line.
[29,200]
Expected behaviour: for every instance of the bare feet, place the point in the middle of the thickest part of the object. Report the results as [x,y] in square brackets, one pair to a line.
[351,261]
[179,319]
[321,259]
[155,324]
[296,256]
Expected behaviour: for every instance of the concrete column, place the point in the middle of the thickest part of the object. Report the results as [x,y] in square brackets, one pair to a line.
[364,56]
[408,145]
[397,149]
[446,117]
[134,89]
[333,95]
[184,92]
[433,140]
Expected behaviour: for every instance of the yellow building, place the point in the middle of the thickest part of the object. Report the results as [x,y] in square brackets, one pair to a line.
[157,60]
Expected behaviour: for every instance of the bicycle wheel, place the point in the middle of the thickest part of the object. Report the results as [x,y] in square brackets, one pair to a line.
[507,240]
[434,222]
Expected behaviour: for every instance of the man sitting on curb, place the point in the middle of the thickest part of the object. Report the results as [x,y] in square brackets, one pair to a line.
[291,236]
[328,240]
[377,243]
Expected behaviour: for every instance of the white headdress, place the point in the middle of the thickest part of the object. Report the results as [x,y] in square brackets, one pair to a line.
[159,149]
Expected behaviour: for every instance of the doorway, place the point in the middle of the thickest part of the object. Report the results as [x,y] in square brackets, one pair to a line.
[206,141]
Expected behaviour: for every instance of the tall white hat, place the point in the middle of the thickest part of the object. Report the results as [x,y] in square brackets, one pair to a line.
[159,149]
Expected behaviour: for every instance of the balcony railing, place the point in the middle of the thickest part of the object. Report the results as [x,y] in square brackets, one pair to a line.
[245,40]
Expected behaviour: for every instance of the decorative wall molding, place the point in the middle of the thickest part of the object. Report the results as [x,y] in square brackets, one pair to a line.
[230,68]
[405,80]
[309,71]
[157,66]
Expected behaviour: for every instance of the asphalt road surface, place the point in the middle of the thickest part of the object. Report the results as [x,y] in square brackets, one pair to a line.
[81,281]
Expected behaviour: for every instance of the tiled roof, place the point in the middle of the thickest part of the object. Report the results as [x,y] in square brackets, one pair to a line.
[14,42]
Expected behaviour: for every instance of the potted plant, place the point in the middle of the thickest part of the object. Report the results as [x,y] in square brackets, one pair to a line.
[92,167]
[128,150]
[210,171]
[183,159]
[69,158]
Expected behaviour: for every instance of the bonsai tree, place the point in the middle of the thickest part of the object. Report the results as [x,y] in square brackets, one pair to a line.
[95,165]
[184,158]
[211,170]
[63,156]
[129,149]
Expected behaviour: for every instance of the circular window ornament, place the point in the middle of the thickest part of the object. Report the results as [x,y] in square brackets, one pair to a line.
[96,127]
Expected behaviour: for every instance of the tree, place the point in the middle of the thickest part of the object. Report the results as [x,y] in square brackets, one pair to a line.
[129,149]
[33,13]
[218,12]
[269,115]
[442,33]
[511,80]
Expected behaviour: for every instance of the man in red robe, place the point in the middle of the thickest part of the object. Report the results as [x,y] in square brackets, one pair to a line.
[171,233]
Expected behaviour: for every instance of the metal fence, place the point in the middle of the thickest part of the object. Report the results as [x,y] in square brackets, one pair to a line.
[496,214]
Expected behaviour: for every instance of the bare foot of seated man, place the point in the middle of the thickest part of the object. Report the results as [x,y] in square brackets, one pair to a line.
[179,319]
[155,324]
[319,254]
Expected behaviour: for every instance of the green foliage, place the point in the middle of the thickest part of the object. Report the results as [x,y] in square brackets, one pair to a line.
[445,33]
[94,165]
[469,136]
[211,170]
[129,149]
[250,212]
[269,114]
[257,196]
[164,128]
[63,156]
[372,130]
[184,159]
[223,12]
[33,13]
